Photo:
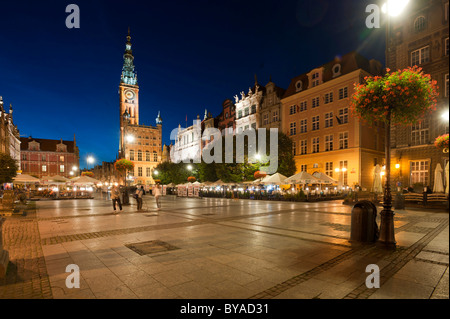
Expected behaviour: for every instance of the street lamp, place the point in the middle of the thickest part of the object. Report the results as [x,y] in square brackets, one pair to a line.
[89,160]
[392,8]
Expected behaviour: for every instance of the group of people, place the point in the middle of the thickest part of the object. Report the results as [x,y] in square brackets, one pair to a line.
[115,197]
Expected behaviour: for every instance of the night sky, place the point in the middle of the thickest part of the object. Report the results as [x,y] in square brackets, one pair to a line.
[189,55]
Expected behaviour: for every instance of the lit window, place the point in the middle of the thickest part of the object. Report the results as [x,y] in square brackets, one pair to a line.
[419,172]
[343,140]
[303,147]
[329,119]
[328,143]
[419,24]
[44,168]
[61,168]
[293,128]
[420,56]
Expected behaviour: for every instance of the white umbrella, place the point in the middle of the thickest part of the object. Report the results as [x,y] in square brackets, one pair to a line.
[276,178]
[377,188]
[325,178]
[438,183]
[447,178]
[86,180]
[24,178]
[302,178]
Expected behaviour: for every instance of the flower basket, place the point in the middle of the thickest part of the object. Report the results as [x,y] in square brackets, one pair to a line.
[259,174]
[402,97]
[124,165]
[441,143]
[191,179]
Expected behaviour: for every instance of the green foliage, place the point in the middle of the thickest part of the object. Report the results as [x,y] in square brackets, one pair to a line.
[8,168]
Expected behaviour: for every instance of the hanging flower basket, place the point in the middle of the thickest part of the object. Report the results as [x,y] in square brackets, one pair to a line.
[191,179]
[259,174]
[403,97]
[123,165]
[441,143]
[89,174]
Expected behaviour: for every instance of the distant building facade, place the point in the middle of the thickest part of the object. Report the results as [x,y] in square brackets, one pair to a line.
[248,107]
[44,157]
[9,133]
[188,143]
[316,116]
[420,36]
[226,119]
[270,111]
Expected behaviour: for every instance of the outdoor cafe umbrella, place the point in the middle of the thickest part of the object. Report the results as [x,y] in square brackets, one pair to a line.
[377,188]
[325,179]
[54,179]
[85,180]
[438,183]
[302,178]
[24,178]
[276,178]
[447,178]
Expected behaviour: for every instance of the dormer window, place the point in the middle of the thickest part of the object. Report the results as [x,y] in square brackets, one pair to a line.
[336,70]
[298,86]
[33,146]
[315,79]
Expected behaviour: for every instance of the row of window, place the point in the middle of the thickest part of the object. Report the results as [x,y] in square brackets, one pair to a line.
[266,119]
[246,111]
[423,55]
[148,172]
[140,156]
[43,158]
[62,168]
[315,102]
[315,143]
[342,118]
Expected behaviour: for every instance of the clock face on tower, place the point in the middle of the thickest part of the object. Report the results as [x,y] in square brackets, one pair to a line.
[129,95]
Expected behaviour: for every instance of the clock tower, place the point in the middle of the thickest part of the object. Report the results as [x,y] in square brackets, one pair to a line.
[129,94]
[139,143]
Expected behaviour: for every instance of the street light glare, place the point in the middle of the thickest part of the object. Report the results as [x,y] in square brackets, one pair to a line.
[130,138]
[394,7]
[445,115]
[90,160]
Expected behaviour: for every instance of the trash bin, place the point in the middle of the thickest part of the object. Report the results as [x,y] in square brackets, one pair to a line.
[364,226]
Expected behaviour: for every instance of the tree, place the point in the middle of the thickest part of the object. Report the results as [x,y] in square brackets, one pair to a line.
[8,168]
[403,97]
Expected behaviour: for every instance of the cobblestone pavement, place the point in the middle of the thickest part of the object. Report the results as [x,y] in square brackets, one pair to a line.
[218,248]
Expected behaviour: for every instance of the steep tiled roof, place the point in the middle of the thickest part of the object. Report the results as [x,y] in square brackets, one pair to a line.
[350,62]
[46,145]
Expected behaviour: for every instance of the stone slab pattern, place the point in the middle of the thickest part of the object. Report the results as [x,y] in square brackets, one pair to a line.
[227,249]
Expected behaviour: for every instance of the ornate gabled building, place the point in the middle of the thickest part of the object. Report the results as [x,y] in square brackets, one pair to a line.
[270,112]
[248,108]
[9,134]
[141,144]
[420,36]
[226,119]
[188,143]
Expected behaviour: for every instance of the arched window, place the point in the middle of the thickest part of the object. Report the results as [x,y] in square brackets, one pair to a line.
[131,155]
[419,24]
[155,156]
[139,156]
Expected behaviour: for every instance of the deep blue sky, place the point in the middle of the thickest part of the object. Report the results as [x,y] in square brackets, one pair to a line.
[189,55]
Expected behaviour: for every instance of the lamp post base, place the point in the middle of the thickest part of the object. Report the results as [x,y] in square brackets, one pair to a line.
[387,235]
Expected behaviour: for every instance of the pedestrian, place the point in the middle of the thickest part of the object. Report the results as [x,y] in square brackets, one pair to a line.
[157,193]
[138,196]
[115,196]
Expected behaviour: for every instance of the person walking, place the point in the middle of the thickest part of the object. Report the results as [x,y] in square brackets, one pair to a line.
[157,193]
[115,196]
[138,196]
